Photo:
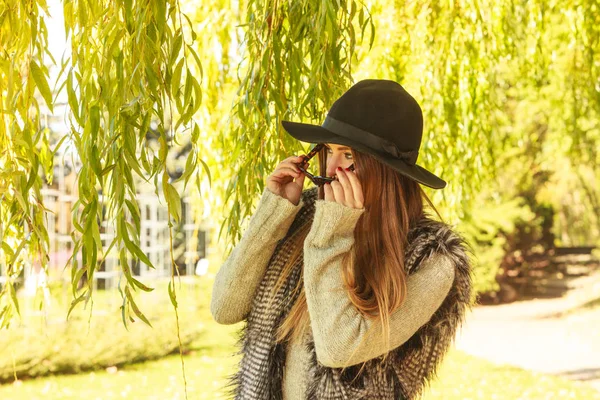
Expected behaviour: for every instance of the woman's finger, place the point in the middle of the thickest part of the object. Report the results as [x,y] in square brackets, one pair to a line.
[328,192]
[338,192]
[286,171]
[356,189]
[290,162]
[288,165]
[294,160]
[300,180]
[347,186]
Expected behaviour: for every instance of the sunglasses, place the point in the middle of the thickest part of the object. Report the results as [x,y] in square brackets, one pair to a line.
[317,180]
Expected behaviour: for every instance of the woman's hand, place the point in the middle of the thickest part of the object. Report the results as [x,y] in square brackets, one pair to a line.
[281,181]
[346,190]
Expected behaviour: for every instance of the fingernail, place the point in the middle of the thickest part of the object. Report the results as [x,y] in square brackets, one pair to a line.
[347,169]
[339,168]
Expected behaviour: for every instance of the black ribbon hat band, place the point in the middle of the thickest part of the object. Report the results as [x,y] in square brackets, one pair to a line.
[368,139]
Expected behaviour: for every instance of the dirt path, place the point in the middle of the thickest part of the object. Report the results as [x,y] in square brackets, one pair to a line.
[553,336]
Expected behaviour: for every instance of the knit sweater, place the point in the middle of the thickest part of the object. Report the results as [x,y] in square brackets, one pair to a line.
[337,327]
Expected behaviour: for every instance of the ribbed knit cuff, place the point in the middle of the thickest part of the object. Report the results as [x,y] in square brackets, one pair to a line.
[274,215]
[332,219]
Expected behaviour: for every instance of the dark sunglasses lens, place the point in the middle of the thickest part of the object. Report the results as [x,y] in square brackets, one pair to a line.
[317,180]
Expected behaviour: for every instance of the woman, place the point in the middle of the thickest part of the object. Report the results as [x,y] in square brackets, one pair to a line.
[349,289]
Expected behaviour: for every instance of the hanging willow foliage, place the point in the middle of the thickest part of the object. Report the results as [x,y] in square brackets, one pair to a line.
[297,59]
[444,53]
[489,75]
[24,148]
[128,69]
[131,65]
[583,82]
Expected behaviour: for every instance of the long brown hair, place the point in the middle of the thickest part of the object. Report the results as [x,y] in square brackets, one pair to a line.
[392,203]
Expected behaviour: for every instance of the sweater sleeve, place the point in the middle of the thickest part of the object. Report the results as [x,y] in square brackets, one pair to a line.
[338,328]
[240,275]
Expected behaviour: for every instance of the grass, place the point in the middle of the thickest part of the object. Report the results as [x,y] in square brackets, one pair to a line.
[461,376]
[41,344]
[205,369]
[210,358]
[466,377]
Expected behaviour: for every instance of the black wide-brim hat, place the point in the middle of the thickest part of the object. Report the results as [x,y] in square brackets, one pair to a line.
[378,117]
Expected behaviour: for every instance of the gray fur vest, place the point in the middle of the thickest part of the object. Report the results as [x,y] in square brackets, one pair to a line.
[406,370]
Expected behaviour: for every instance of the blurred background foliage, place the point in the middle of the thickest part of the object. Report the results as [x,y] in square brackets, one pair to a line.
[510,92]
[42,345]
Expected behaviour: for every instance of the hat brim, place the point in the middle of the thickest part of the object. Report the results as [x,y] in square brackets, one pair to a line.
[317,134]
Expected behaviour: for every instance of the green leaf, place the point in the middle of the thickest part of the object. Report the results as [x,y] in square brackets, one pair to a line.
[152,79]
[94,120]
[133,248]
[73,102]
[77,277]
[197,59]
[20,247]
[127,273]
[190,167]
[189,86]
[134,213]
[42,84]
[197,97]
[60,142]
[176,48]
[13,296]
[5,316]
[176,79]
[172,294]
[133,164]
[135,308]
[33,176]
[174,201]
[161,14]
[128,16]
[82,13]
[74,303]
[207,171]
[123,307]
[195,134]
[194,35]
[95,162]
[108,169]
[7,250]
[141,285]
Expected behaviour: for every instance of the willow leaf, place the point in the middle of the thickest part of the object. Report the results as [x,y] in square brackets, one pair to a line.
[135,308]
[74,303]
[42,84]
[172,294]
[174,201]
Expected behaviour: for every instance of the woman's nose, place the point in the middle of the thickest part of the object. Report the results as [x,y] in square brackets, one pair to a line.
[332,168]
